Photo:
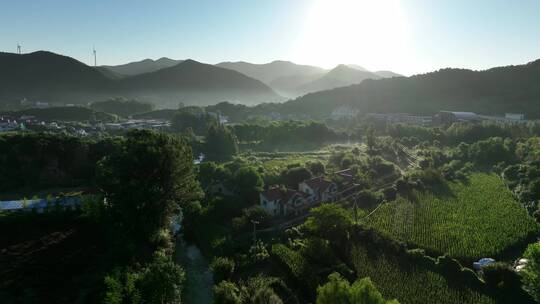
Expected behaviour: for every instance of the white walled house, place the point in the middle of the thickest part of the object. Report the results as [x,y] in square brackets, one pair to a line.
[282,202]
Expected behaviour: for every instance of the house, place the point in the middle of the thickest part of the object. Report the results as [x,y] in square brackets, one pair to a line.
[399,118]
[449,117]
[318,189]
[514,116]
[278,201]
[344,112]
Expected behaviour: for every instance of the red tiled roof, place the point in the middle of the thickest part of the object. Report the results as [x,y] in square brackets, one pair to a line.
[276,193]
[272,193]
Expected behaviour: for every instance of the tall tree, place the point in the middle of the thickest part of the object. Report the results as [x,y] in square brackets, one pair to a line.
[147,181]
[221,143]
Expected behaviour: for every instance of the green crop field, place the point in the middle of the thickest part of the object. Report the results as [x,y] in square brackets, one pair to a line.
[472,220]
[411,283]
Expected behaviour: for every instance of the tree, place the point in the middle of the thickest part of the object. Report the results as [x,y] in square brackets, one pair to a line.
[222,268]
[370,139]
[249,182]
[531,272]
[162,282]
[221,143]
[227,292]
[338,290]
[293,176]
[316,168]
[146,182]
[329,221]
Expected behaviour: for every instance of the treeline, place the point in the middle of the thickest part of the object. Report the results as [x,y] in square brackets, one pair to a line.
[42,160]
[121,106]
[75,113]
[287,133]
[459,132]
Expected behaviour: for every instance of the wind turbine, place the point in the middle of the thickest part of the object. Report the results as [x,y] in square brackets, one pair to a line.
[18,48]
[95,55]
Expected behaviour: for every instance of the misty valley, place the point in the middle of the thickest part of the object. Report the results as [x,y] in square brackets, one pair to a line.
[412,179]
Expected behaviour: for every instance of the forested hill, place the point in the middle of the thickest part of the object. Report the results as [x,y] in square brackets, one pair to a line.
[497,90]
[197,80]
[45,76]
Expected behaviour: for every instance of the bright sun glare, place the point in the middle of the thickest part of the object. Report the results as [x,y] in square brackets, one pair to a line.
[368,32]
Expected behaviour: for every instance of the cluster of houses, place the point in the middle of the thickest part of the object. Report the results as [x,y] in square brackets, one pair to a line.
[443,117]
[8,123]
[280,201]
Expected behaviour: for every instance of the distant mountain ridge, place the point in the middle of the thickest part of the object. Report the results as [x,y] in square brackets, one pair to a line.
[340,76]
[269,72]
[46,76]
[497,90]
[292,80]
[141,67]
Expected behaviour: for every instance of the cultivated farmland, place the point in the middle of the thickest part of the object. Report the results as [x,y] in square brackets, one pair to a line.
[478,218]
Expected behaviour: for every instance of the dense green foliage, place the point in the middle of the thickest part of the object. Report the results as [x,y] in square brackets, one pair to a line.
[338,290]
[40,160]
[472,220]
[531,273]
[146,182]
[288,134]
[221,143]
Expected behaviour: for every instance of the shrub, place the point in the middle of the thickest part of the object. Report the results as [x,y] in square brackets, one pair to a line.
[226,292]
[222,268]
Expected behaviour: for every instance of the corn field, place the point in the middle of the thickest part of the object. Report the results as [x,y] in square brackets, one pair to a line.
[412,283]
[477,219]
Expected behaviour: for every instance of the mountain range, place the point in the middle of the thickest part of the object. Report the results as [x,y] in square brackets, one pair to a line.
[46,76]
[292,80]
[494,91]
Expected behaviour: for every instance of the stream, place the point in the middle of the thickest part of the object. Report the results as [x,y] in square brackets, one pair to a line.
[199,278]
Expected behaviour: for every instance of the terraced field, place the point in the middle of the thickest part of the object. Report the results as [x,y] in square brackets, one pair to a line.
[477,219]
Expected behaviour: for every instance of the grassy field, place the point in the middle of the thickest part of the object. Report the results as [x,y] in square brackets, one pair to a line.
[411,283]
[467,221]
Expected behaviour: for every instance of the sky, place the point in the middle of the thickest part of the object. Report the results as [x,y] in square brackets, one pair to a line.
[405,36]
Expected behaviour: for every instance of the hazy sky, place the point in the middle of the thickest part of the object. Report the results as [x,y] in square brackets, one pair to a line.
[407,36]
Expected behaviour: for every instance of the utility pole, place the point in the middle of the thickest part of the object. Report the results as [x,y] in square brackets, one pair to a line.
[355,210]
[254,231]
[95,56]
